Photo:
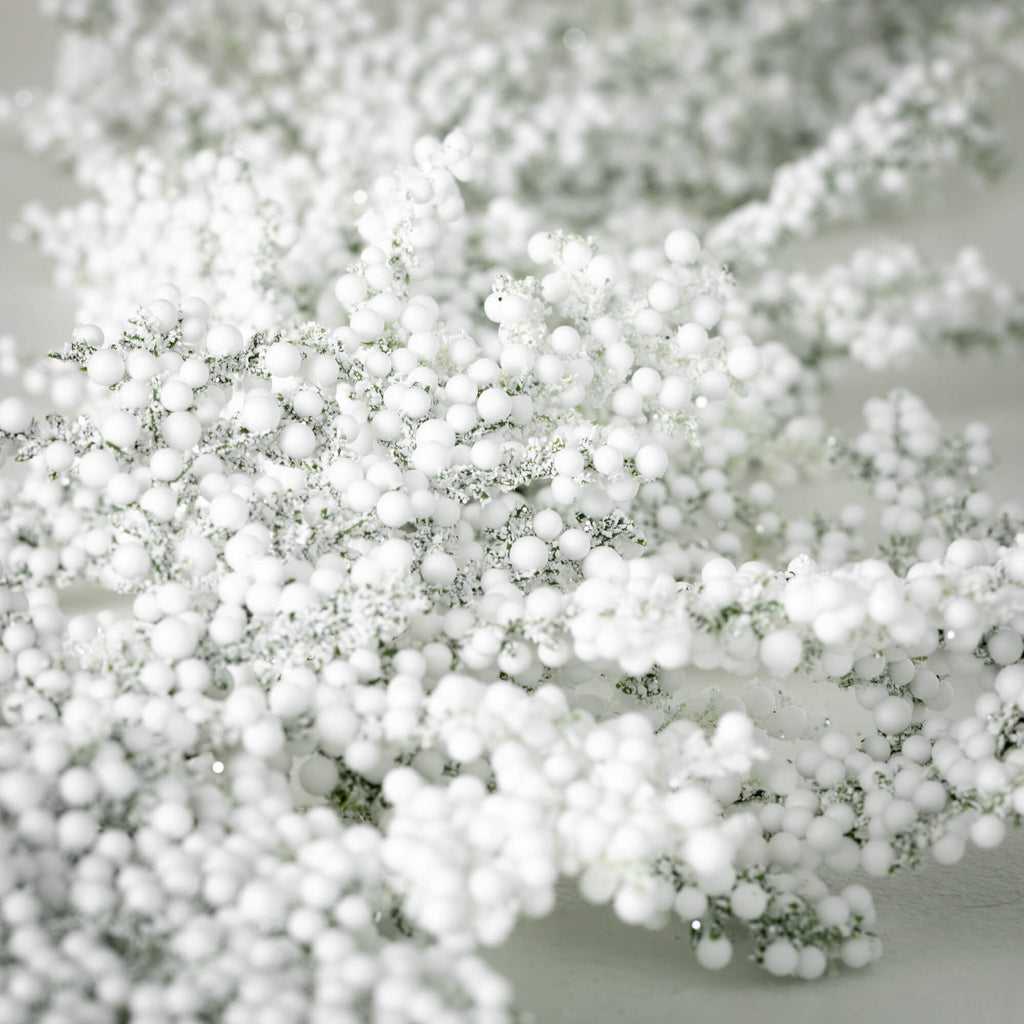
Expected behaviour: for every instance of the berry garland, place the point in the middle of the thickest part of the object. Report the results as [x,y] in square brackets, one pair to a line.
[443,554]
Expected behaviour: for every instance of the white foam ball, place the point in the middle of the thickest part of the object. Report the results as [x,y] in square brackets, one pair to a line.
[651,461]
[781,652]
[682,246]
[283,359]
[297,440]
[261,412]
[174,638]
[988,831]
[748,901]
[893,714]
[131,561]
[105,367]
[528,555]
[224,340]
[181,430]
[714,953]
[781,958]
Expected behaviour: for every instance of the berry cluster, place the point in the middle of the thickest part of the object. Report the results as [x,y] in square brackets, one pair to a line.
[410,554]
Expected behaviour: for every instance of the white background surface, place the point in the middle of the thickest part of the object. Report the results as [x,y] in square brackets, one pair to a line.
[954,936]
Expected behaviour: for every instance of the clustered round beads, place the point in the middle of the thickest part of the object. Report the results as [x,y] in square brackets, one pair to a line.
[886,306]
[248,179]
[479,581]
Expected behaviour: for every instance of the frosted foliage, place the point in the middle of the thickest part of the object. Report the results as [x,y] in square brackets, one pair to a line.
[441,510]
